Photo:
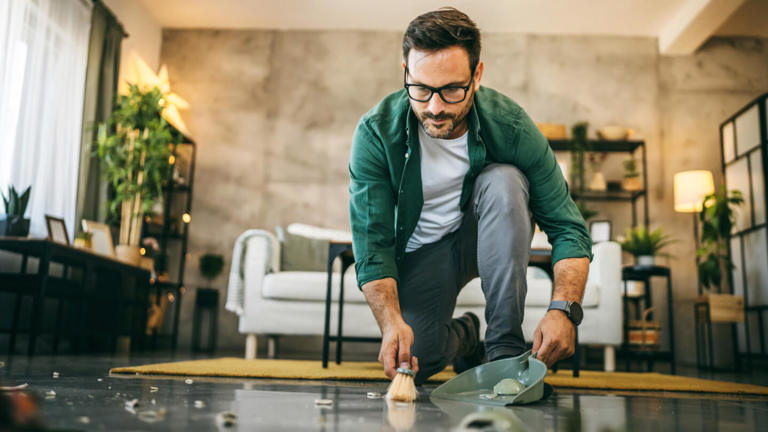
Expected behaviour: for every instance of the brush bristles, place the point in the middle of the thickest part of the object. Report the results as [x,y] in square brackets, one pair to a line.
[402,388]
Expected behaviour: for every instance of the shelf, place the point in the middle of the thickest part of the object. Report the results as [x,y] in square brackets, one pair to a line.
[156,231]
[177,188]
[608,196]
[599,146]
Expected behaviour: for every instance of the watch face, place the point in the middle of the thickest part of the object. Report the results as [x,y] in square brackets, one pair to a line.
[575,313]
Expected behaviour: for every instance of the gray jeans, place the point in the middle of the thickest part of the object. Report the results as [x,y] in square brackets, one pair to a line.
[493,242]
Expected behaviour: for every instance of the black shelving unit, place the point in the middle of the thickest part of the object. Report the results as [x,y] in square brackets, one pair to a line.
[744,159]
[605,146]
[169,236]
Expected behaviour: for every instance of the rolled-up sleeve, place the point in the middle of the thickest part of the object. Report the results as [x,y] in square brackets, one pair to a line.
[550,200]
[371,208]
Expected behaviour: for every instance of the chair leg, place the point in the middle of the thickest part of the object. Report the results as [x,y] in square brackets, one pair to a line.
[250,346]
[271,346]
[14,325]
[609,358]
[57,330]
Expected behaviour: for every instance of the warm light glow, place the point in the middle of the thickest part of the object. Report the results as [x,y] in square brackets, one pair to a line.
[171,159]
[143,251]
[690,189]
[171,297]
[186,218]
[139,73]
[182,290]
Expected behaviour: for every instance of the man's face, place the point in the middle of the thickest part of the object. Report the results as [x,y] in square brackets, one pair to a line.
[446,67]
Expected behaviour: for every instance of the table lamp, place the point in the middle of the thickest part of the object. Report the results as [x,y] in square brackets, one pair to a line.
[691,187]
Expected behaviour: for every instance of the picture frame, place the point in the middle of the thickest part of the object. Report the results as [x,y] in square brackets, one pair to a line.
[600,231]
[57,230]
[102,237]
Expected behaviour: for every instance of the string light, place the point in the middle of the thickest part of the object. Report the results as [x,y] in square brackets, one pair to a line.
[171,159]
[186,218]
[143,251]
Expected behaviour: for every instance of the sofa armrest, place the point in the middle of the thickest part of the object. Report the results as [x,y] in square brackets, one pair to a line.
[605,272]
[256,253]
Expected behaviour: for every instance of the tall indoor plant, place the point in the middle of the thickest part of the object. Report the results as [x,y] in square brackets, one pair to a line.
[714,256]
[134,147]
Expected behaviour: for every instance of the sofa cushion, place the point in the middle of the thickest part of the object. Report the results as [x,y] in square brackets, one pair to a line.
[311,286]
[539,291]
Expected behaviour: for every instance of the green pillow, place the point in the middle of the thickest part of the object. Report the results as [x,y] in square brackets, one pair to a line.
[299,253]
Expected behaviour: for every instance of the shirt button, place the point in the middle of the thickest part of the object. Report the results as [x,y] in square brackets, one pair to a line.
[401,227]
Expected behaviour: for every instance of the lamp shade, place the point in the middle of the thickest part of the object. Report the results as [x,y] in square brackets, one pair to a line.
[691,187]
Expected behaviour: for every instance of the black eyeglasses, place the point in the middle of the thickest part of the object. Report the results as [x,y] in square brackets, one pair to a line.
[449,94]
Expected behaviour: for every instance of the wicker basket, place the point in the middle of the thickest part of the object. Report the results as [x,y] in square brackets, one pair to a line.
[645,334]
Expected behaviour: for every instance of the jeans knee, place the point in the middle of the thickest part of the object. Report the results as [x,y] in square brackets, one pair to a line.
[503,185]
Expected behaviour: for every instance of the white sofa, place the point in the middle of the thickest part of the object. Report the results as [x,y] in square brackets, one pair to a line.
[293,303]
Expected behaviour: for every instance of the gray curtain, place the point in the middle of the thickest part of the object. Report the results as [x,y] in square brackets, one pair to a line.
[100,89]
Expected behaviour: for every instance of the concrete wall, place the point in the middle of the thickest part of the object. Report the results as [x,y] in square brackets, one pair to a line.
[273,113]
[144,35]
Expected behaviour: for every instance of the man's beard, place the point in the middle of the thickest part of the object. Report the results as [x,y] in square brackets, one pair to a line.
[446,129]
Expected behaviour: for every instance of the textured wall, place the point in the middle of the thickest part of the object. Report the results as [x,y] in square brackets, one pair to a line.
[273,113]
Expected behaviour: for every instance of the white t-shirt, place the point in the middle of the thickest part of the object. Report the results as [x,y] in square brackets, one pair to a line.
[444,163]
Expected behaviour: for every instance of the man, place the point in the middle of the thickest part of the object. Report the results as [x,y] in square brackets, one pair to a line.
[447,179]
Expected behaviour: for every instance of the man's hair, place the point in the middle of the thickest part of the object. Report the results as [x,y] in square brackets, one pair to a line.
[443,28]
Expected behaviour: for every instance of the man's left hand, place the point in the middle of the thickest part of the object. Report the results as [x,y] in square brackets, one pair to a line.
[554,338]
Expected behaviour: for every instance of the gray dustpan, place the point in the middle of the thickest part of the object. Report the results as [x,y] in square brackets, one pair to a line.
[470,384]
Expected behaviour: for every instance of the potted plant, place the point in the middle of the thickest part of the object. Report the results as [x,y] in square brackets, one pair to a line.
[135,153]
[211,266]
[579,145]
[84,240]
[645,245]
[632,181]
[14,223]
[714,256]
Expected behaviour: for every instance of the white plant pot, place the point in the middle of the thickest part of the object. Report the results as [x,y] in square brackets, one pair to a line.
[597,183]
[645,261]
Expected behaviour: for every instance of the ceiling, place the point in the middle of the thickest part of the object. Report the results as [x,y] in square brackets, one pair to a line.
[649,18]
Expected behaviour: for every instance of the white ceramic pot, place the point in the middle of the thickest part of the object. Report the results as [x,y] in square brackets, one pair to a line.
[128,254]
[645,261]
[597,183]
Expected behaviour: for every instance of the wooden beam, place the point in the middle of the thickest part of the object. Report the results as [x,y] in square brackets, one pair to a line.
[694,24]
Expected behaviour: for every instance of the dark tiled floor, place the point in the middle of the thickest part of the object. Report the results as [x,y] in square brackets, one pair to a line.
[87,398]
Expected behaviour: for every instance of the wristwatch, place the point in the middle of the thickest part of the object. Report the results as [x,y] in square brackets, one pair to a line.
[572,310]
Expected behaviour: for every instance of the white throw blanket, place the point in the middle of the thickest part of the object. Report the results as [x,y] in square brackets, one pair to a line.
[236,289]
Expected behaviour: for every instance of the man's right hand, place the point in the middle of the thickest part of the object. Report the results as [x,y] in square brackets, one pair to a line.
[396,341]
[396,335]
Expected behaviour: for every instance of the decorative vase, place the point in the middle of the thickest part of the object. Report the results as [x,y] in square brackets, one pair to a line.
[128,254]
[632,184]
[644,261]
[597,182]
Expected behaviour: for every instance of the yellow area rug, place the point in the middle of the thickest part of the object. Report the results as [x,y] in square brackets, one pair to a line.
[371,371]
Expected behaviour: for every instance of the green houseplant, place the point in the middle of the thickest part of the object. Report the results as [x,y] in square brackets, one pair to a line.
[713,255]
[632,181]
[14,223]
[644,245]
[580,145]
[211,266]
[135,148]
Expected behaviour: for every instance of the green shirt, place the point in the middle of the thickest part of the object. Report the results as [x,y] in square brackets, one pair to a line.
[385,179]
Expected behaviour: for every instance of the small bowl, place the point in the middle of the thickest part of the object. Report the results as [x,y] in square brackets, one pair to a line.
[614,133]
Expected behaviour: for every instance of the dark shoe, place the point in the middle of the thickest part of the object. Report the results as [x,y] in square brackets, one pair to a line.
[475,357]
